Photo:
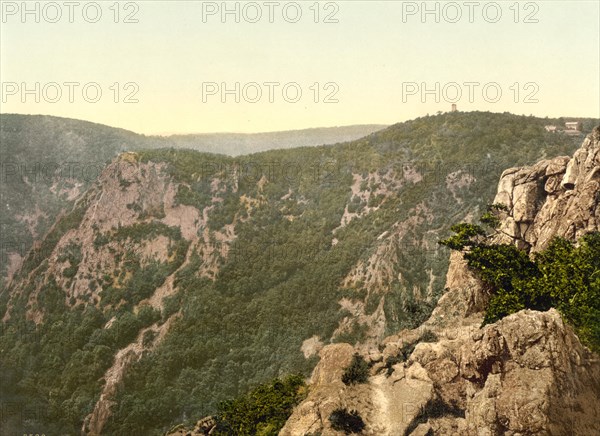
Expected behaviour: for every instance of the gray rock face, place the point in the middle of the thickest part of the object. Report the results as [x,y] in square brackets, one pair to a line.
[557,197]
[527,374]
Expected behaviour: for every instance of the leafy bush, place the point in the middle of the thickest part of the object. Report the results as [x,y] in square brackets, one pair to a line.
[262,411]
[148,337]
[428,336]
[565,276]
[348,422]
[357,371]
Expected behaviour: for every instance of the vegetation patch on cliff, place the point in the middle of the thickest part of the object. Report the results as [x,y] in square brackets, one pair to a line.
[263,411]
[565,276]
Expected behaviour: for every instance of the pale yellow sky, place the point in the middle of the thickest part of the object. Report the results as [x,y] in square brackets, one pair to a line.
[381,62]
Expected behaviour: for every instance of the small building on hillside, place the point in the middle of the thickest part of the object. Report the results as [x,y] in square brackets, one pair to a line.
[573,128]
[550,129]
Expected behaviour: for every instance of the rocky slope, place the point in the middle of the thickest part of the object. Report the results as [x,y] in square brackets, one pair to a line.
[527,374]
[129,222]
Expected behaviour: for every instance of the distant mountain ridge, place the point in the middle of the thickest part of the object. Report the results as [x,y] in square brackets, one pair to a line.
[236,144]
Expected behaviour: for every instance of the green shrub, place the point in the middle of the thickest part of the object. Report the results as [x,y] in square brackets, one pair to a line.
[263,411]
[348,422]
[565,276]
[428,336]
[357,371]
[148,337]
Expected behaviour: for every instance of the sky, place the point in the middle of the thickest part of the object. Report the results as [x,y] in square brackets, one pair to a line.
[163,67]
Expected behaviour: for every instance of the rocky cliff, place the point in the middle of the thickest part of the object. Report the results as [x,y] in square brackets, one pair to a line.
[525,374]
[557,197]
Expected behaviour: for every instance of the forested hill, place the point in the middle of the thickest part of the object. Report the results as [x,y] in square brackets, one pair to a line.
[180,279]
[48,162]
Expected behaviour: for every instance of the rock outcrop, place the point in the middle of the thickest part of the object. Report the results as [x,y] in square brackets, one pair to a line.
[527,374]
[558,197]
